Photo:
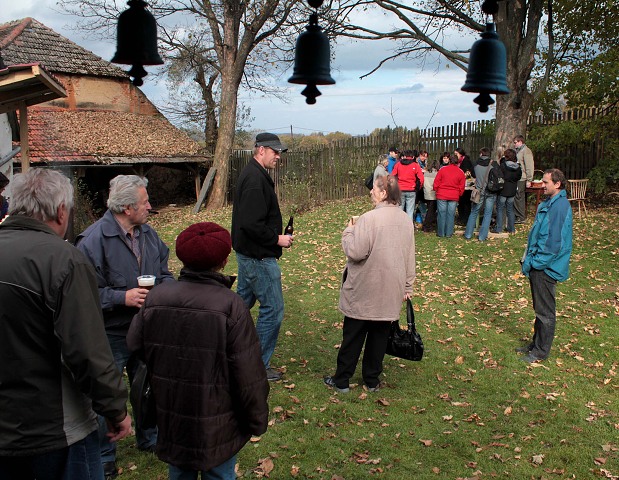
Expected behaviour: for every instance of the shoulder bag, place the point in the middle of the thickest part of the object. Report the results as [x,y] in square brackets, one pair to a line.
[406,344]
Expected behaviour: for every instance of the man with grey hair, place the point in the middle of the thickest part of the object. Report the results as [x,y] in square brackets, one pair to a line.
[121,246]
[56,367]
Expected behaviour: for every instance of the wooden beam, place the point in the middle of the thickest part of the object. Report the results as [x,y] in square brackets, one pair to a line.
[206,186]
[23,136]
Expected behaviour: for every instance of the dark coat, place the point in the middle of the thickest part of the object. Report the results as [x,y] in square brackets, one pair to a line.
[256,218]
[56,365]
[202,351]
[512,173]
[467,166]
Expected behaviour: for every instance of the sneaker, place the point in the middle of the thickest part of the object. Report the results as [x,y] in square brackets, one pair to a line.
[372,389]
[273,375]
[330,383]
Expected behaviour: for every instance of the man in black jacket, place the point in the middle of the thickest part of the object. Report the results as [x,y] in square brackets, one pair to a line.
[258,241]
[56,365]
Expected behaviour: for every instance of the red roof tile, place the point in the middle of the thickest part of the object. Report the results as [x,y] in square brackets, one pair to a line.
[74,136]
[29,41]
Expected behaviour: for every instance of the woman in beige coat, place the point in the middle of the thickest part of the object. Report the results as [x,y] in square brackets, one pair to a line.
[379,274]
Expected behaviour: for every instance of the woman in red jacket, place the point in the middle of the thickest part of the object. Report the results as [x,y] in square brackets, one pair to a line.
[410,179]
[449,187]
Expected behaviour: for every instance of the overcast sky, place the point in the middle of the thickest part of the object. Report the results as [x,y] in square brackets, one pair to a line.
[400,93]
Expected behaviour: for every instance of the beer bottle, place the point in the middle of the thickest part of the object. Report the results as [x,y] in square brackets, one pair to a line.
[289,228]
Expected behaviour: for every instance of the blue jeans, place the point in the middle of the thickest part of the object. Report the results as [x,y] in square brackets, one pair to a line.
[505,204]
[145,438]
[225,471]
[487,200]
[446,217]
[262,280]
[407,203]
[80,460]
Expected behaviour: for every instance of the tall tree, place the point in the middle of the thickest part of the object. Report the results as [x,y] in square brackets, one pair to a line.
[236,32]
[422,28]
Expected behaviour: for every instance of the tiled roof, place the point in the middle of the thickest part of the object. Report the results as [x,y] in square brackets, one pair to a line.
[74,136]
[29,41]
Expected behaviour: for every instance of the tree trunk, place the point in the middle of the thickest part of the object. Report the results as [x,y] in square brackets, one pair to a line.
[225,137]
[517,24]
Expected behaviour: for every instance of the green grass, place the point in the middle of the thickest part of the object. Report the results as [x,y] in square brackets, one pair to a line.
[470,408]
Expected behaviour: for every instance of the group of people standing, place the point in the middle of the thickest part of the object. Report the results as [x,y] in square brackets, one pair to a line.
[75,317]
[437,194]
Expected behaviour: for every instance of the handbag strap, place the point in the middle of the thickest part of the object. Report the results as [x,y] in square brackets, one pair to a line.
[410,315]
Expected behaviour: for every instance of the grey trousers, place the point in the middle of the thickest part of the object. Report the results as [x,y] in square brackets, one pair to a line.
[543,289]
[520,200]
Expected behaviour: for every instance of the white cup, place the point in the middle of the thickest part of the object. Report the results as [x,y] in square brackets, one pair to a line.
[146,281]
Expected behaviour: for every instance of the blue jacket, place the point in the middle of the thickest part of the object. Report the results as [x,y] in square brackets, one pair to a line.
[117,267]
[391,164]
[550,239]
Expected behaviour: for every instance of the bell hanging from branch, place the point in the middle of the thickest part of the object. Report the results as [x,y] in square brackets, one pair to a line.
[487,72]
[136,42]
[312,60]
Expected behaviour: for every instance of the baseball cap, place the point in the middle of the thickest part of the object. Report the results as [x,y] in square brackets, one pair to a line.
[270,140]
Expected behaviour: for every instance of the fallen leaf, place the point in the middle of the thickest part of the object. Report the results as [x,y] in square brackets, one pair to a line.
[265,466]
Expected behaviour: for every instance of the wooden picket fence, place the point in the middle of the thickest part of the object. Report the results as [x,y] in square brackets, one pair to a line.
[337,171]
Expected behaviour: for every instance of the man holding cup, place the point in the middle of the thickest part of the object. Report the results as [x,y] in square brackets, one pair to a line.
[122,247]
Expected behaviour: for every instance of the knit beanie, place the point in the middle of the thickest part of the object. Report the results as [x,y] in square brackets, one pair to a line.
[203,246]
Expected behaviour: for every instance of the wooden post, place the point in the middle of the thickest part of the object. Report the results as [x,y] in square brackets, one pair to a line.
[206,186]
[23,135]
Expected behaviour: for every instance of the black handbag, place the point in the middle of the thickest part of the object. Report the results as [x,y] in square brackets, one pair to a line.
[369,182]
[406,344]
[142,399]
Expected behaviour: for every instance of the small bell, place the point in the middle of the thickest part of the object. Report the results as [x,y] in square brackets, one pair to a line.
[312,60]
[487,72]
[136,42]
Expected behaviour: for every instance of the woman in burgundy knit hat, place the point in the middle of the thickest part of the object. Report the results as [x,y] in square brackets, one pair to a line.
[200,345]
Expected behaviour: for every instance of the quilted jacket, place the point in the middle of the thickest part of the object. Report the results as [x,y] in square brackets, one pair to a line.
[200,345]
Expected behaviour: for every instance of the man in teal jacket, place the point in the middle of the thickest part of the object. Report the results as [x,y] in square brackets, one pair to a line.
[547,261]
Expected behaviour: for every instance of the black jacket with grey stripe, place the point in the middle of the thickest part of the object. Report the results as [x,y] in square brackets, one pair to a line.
[56,366]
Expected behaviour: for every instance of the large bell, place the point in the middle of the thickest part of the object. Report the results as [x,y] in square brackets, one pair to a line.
[487,72]
[136,42]
[312,60]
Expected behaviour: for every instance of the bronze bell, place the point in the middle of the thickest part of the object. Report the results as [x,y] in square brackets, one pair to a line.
[487,72]
[312,60]
[136,42]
